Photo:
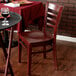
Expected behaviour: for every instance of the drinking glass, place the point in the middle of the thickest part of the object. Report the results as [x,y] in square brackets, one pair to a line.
[5,13]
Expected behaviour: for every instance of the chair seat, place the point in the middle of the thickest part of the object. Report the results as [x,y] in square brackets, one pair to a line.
[39,37]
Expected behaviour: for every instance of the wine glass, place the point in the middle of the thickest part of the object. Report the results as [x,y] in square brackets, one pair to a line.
[5,13]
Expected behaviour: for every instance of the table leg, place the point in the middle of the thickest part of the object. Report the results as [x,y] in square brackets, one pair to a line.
[9,52]
[41,22]
[6,40]
[5,54]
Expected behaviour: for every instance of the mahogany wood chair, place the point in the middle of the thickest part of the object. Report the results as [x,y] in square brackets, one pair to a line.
[42,38]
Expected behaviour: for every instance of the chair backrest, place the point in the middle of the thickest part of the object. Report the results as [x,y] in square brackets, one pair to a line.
[52,16]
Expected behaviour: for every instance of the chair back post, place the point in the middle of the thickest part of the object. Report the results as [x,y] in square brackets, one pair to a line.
[45,17]
[58,21]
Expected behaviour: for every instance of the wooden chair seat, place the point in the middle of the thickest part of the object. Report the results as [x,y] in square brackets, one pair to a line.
[36,38]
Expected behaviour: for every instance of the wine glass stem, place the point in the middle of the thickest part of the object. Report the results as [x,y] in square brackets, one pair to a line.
[5,19]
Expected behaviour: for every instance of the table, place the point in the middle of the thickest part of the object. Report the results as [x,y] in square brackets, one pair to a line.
[13,19]
[29,13]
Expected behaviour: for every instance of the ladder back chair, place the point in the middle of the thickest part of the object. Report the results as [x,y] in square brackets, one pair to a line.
[42,38]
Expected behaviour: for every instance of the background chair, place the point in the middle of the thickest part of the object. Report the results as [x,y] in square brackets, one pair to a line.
[42,38]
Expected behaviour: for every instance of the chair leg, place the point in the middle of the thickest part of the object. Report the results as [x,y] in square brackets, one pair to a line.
[29,60]
[55,56]
[19,51]
[44,53]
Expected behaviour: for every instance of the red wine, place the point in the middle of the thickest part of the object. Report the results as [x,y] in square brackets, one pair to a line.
[5,14]
[5,1]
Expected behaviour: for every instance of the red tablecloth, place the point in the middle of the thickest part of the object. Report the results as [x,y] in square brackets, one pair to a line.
[28,12]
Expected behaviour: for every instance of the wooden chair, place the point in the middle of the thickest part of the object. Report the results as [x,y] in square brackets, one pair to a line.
[42,38]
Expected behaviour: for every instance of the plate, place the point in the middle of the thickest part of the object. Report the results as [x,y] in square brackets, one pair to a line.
[22,2]
[1,17]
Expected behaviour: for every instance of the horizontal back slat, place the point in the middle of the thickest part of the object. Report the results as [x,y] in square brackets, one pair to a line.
[52,14]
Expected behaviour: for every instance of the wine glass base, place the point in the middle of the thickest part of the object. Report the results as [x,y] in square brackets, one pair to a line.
[5,24]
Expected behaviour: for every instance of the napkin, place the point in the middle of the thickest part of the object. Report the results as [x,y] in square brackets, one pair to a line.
[12,4]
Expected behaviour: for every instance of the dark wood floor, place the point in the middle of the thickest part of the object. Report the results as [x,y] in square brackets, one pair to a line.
[66,56]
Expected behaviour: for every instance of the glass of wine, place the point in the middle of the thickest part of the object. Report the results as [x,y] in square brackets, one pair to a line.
[5,13]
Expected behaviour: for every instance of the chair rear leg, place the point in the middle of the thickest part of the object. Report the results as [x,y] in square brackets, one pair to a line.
[55,56]
[29,60]
[19,51]
[44,53]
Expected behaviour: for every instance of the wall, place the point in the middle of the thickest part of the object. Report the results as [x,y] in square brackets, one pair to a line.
[67,26]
